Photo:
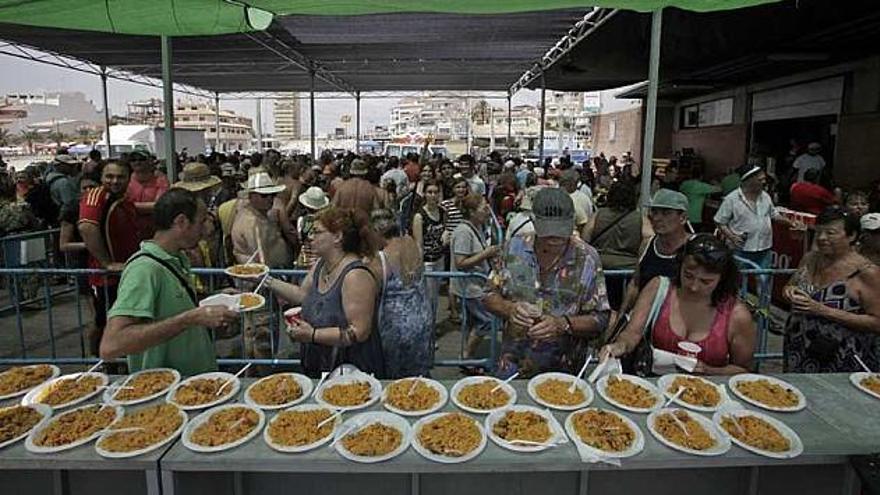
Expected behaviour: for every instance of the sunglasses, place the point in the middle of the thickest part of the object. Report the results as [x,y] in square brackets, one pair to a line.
[707,247]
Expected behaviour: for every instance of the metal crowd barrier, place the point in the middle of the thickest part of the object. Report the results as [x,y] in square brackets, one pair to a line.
[31,346]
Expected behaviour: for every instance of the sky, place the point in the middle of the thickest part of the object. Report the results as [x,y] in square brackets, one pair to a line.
[17,75]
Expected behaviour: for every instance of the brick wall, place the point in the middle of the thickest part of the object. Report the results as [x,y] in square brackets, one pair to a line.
[721,147]
[627,133]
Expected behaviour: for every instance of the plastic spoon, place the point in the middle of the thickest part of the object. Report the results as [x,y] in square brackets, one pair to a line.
[862,363]
[331,418]
[580,374]
[505,382]
[93,368]
[227,382]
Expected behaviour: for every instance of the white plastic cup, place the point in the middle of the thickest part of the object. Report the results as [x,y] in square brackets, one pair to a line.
[689,349]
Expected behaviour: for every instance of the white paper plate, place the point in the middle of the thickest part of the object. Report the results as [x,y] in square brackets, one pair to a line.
[305,385]
[603,382]
[36,449]
[856,379]
[722,442]
[375,390]
[470,380]
[745,377]
[242,309]
[55,372]
[229,301]
[122,455]
[636,447]
[109,392]
[557,434]
[43,409]
[581,384]
[201,418]
[235,386]
[427,454]
[264,270]
[31,397]
[797,447]
[444,397]
[665,382]
[301,448]
[363,420]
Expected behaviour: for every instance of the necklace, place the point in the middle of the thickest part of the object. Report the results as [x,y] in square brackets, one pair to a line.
[327,272]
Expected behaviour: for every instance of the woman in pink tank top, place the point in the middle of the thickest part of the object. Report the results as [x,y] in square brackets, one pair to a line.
[700,307]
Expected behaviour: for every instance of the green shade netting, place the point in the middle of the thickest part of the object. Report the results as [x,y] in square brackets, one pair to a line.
[209,17]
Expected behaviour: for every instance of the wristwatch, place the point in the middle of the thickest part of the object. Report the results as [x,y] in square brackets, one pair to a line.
[568,329]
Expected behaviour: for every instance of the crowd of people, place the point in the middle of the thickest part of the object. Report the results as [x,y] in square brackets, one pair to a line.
[530,243]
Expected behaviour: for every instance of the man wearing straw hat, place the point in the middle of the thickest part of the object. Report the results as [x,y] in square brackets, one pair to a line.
[256,229]
[313,201]
[197,179]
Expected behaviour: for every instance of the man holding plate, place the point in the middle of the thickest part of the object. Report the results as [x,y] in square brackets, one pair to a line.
[156,320]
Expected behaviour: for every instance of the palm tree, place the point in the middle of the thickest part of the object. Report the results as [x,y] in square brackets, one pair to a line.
[85,134]
[57,137]
[29,136]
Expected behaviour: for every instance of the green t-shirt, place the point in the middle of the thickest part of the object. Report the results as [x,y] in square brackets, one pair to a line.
[147,290]
[696,192]
[729,183]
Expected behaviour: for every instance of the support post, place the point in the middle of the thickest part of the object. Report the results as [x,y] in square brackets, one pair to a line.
[467,105]
[168,111]
[312,133]
[357,122]
[651,104]
[543,114]
[217,147]
[106,109]
[509,122]
[259,125]
[491,128]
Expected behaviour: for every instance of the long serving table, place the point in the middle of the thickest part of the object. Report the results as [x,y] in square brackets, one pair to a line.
[839,421]
[77,471]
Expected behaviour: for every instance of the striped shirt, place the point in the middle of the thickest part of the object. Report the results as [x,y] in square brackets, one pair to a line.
[453,214]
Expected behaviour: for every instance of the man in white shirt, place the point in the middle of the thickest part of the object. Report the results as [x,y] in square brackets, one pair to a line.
[569,182]
[746,216]
[811,160]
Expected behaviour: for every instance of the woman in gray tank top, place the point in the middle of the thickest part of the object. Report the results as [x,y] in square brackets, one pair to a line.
[338,297]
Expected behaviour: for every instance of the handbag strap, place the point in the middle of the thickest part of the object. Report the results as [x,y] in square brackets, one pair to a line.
[608,227]
[657,305]
[384,283]
[183,282]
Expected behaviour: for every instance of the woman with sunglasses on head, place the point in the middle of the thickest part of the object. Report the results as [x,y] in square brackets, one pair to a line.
[834,298]
[700,307]
[338,296]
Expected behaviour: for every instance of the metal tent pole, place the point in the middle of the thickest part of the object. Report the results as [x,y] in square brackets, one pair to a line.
[651,115]
[509,119]
[260,125]
[467,105]
[491,127]
[106,108]
[217,146]
[357,122]
[312,112]
[543,113]
[168,103]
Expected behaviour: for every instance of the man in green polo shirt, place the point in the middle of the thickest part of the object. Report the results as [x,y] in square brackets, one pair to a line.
[156,320]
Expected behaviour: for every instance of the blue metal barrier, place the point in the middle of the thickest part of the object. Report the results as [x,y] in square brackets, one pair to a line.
[51,298]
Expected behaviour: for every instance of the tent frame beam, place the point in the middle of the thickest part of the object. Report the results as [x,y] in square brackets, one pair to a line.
[315,70]
[591,21]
